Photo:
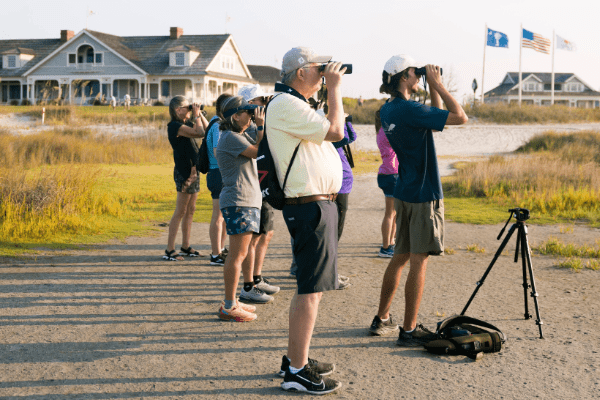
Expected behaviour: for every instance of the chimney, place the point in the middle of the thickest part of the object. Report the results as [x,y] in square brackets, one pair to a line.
[176,33]
[65,35]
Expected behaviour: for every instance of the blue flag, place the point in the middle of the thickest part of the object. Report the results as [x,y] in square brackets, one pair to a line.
[497,39]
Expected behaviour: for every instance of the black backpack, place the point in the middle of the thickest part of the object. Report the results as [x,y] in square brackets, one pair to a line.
[462,335]
[272,192]
[203,162]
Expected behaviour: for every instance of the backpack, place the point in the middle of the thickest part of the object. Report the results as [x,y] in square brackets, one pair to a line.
[462,335]
[272,192]
[203,162]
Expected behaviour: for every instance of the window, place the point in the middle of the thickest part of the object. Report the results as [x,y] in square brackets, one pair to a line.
[72,58]
[166,89]
[574,87]
[180,59]
[98,58]
[227,62]
[530,87]
[12,61]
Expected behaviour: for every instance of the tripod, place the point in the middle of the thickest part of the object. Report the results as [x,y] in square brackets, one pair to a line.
[521,215]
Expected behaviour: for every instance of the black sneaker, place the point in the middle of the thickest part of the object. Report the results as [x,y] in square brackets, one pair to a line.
[309,381]
[218,260]
[321,368]
[380,328]
[418,337]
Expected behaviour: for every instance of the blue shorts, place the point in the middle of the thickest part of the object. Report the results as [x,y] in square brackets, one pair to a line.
[387,183]
[241,219]
[214,183]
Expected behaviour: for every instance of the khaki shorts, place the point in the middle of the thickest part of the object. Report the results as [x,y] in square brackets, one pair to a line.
[419,227]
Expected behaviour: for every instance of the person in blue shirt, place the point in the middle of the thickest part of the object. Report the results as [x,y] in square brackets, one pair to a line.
[419,203]
[214,183]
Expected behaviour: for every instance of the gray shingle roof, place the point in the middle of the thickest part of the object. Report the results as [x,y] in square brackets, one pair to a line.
[264,73]
[40,47]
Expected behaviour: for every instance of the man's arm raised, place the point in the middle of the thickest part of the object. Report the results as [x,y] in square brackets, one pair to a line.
[457,115]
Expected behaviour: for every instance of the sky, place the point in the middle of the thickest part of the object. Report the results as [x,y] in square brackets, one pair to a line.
[364,33]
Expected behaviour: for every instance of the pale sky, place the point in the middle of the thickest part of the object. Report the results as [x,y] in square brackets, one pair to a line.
[365,33]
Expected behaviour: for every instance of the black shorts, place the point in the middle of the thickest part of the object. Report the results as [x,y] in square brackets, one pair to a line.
[214,183]
[313,226]
[267,217]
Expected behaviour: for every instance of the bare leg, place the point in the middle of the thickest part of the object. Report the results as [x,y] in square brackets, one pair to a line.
[188,218]
[180,209]
[216,229]
[261,251]
[233,263]
[389,223]
[248,263]
[391,280]
[303,314]
[413,291]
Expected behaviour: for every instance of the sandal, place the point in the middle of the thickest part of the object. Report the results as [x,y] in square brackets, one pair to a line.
[188,252]
[171,256]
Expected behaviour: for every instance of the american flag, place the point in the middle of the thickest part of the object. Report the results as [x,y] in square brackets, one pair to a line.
[537,42]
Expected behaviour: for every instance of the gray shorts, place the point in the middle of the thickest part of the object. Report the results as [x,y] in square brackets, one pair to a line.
[419,227]
[313,226]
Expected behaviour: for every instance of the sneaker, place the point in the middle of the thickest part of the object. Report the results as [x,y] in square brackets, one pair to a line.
[266,287]
[380,328]
[246,307]
[236,313]
[343,284]
[321,368]
[309,381]
[218,260]
[386,253]
[225,252]
[418,337]
[255,295]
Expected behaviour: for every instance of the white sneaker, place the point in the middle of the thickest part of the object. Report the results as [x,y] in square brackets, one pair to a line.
[266,287]
[256,295]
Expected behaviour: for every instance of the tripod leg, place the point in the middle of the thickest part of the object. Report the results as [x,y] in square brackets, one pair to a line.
[487,271]
[534,292]
[522,240]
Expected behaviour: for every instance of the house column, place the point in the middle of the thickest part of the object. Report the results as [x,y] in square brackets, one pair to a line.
[139,91]
[32,100]
[22,94]
[70,91]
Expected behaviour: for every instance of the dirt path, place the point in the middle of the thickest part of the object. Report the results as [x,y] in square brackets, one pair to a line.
[117,322]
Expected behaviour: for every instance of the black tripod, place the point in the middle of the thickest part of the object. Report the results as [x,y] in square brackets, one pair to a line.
[521,215]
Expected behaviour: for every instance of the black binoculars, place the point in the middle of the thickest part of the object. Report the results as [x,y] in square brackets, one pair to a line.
[191,107]
[422,71]
[347,66]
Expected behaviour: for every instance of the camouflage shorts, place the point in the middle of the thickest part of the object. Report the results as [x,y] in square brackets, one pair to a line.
[180,182]
[241,219]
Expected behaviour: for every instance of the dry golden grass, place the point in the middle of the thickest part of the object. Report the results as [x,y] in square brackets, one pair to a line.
[529,114]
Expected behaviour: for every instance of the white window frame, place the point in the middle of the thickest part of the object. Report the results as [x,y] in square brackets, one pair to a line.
[14,62]
[574,87]
[180,56]
[530,87]
[227,62]
[70,64]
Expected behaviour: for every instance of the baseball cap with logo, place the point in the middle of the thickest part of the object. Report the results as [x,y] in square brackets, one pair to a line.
[399,63]
[298,57]
[250,92]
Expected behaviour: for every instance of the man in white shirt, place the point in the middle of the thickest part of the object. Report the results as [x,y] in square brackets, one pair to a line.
[127,100]
[310,211]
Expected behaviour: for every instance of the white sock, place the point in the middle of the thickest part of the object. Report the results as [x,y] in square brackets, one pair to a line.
[295,370]
[411,330]
[385,320]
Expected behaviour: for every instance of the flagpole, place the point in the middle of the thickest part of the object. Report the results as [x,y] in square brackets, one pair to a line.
[483,72]
[520,51]
[553,50]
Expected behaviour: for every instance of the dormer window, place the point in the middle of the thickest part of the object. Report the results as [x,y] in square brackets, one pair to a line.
[11,61]
[180,59]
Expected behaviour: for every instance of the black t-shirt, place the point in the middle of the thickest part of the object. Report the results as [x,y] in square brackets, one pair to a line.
[185,150]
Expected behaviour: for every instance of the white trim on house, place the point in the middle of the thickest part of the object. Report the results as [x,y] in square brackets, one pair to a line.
[68,42]
[217,58]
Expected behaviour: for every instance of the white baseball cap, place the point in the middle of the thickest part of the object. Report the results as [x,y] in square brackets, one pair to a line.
[399,63]
[298,57]
[250,92]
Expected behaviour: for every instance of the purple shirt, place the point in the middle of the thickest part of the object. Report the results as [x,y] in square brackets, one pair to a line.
[389,166]
[349,137]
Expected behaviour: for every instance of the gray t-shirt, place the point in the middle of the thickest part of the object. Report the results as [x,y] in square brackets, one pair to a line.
[240,176]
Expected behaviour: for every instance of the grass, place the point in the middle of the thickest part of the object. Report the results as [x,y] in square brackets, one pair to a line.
[530,114]
[557,179]
[577,264]
[474,248]
[556,248]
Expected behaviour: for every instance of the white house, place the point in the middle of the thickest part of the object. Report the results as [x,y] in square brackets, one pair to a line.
[536,89]
[90,66]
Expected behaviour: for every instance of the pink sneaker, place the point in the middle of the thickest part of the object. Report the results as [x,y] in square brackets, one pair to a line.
[245,307]
[236,313]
